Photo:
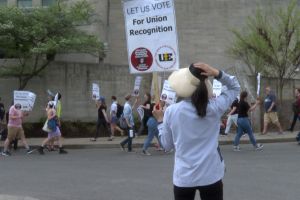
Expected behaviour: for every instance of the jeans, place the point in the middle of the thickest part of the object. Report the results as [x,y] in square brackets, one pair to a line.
[244,126]
[152,131]
[209,192]
[128,140]
[231,118]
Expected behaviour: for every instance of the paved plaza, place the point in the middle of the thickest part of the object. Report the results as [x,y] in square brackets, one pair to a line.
[109,174]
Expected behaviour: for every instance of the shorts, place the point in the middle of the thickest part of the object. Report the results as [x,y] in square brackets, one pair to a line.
[15,132]
[271,117]
[56,133]
[114,120]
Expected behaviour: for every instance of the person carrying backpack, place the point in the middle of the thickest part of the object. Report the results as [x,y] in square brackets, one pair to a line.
[116,111]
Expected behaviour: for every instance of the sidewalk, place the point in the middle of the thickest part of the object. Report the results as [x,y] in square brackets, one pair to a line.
[83,143]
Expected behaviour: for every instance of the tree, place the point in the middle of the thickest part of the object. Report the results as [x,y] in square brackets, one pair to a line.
[34,36]
[270,43]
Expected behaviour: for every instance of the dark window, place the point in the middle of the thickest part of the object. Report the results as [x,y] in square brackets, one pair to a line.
[48,2]
[3,2]
[24,3]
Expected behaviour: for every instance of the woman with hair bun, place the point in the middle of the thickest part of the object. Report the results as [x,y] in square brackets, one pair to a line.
[191,128]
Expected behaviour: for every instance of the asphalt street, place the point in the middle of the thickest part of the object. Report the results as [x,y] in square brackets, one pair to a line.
[109,174]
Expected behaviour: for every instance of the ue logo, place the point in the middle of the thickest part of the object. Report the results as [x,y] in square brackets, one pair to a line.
[165,57]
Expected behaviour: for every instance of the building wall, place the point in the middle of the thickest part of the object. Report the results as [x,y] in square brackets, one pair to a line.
[203,33]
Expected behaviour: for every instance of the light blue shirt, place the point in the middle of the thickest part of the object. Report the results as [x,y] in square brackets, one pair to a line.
[198,162]
[128,113]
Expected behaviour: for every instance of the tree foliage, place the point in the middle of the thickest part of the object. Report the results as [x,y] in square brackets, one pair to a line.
[34,36]
[270,43]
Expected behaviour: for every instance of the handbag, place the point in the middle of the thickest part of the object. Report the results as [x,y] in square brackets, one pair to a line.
[45,127]
[52,124]
[122,122]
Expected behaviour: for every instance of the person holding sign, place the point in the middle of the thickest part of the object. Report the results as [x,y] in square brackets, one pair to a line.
[191,127]
[54,131]
[102,117]
[15,129]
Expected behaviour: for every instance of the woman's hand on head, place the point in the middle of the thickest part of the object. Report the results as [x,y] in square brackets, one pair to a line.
[208,70]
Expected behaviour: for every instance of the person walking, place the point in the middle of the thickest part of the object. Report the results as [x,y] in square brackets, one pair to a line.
[15,129]
[296,109]
[150,122]
[102,117]
[128,116]
[243,122]
[114,119]
[191,127]
[54,133]
[270,111]
[232,116]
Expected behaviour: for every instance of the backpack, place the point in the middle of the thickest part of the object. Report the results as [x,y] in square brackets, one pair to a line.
[120,109]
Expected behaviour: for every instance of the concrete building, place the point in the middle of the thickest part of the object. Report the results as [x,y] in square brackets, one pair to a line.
[203,32]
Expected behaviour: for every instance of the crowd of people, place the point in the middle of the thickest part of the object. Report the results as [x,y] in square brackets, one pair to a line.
[190,126]
[110,123]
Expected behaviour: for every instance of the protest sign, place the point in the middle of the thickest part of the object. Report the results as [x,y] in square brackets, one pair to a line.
[137,85]
[258,84]
[217,88]
[25,98]
[147,21]
[168,94]
[95,91]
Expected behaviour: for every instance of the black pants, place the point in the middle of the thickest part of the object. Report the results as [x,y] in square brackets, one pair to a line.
[101,122]
[209,192]
[294,121]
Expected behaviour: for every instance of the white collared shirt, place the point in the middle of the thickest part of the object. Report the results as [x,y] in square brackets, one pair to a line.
[198,161]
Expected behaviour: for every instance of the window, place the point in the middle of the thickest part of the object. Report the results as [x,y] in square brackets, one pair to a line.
[24,3]
[48,2]
[3,2]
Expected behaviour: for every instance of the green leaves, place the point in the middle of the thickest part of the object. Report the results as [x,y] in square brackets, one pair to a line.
[39,32]
[270,42]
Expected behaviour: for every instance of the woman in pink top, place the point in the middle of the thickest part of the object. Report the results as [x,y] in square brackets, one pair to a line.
[15,129]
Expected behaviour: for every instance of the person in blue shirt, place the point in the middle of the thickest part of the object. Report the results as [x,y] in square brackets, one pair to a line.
[191,128]
[270,111]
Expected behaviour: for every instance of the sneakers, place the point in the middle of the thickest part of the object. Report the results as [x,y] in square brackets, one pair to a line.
[259,147]
[29,151]
[62,151]
[122,147]
[5,153]
[236,148]
[110,139]
[93,139]
[41,150]
[146,153]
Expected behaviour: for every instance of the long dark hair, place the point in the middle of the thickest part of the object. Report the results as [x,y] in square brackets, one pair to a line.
[148,97]
[200,95]
[243,95]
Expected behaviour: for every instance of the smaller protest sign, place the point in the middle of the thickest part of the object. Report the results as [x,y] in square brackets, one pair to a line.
[258,84]
[95,91]
[217,88]
[168,94]
[25,98]
[137,85]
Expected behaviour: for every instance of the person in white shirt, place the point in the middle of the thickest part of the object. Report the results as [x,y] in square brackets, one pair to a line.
[114,119]
[191,128]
